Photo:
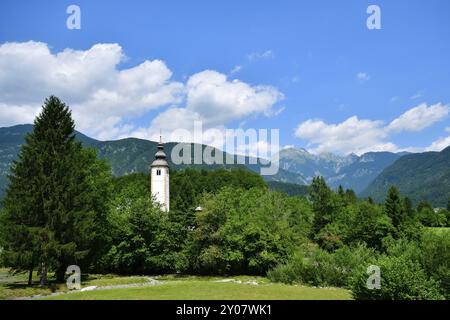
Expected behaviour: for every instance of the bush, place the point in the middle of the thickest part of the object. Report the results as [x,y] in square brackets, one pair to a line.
[435,258]
[401,279]
[432,252]
[291,272]
[246,231]
[321,268]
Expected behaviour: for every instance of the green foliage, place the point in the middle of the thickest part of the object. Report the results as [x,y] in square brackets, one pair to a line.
[64,207]
[290,189]
[247,231]
[435,258]
[401,279]
[189,185]
[370,224]
[55,203]
[143,241]
[394,207]
[431,252]
[324,202]
[340,219]
[321,268]
[433,218]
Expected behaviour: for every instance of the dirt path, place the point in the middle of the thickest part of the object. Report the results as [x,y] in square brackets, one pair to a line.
[150,282]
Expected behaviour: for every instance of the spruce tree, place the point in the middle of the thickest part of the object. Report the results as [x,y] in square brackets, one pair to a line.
[323,202]
[409,209]
[53,203]
[394,207]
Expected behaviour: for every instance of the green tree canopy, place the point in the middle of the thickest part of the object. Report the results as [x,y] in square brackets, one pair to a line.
[55,203]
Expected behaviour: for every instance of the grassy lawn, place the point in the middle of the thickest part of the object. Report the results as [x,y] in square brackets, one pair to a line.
[194,289]
[171,288]
[15,286]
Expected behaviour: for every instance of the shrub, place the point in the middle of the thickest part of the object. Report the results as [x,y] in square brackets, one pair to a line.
[435,258]
[245,231]
[401,279]
[321,268]
[432,252]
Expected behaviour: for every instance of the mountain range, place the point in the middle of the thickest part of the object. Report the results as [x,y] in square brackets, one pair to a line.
[125,156]
[352,171]
[421,176]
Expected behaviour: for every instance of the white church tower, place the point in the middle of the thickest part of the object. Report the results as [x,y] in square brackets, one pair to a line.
[159,175]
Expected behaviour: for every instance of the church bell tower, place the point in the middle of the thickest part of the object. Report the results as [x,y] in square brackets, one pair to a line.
[159,178]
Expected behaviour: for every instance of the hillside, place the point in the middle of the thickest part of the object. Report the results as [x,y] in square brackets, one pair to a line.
[125,156]
[290,189]
[352,171]
[422,176]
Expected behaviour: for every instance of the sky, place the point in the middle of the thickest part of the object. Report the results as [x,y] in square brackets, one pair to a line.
[311,69]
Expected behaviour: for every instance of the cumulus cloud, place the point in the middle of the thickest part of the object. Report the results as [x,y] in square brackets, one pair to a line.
[99,94]
[214,101]
[419,118]
[362,135]
[352,135]
[219,100]
[106,99]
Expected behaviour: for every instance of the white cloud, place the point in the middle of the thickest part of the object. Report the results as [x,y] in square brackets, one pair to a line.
[352,135]
[417,95]
[394,99]
[419,118]
[219,101]
[11,114]
[236,69]
[100,94]
[105,99]
[216,101]
[360,135]
[268,54]
[439,144]
[362,76]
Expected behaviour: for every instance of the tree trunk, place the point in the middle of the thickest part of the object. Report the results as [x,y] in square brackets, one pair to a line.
[30,277]
[43,275]
[60,274]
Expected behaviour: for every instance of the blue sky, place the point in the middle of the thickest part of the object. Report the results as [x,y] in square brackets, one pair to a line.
[319,56]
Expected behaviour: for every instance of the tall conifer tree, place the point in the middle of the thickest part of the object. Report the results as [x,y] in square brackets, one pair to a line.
[54,206]
[394,207]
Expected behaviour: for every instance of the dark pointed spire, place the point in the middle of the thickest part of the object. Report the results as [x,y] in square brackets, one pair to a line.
[160,155]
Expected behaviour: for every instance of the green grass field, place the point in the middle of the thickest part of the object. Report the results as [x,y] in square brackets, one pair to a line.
[173,288]
[15,286]
[203,289]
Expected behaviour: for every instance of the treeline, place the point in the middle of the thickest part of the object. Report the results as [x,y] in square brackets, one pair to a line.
[63,207]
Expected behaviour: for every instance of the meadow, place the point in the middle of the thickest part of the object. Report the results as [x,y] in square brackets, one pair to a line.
[169,288]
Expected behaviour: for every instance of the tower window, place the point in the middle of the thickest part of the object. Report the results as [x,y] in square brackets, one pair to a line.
[158,172]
